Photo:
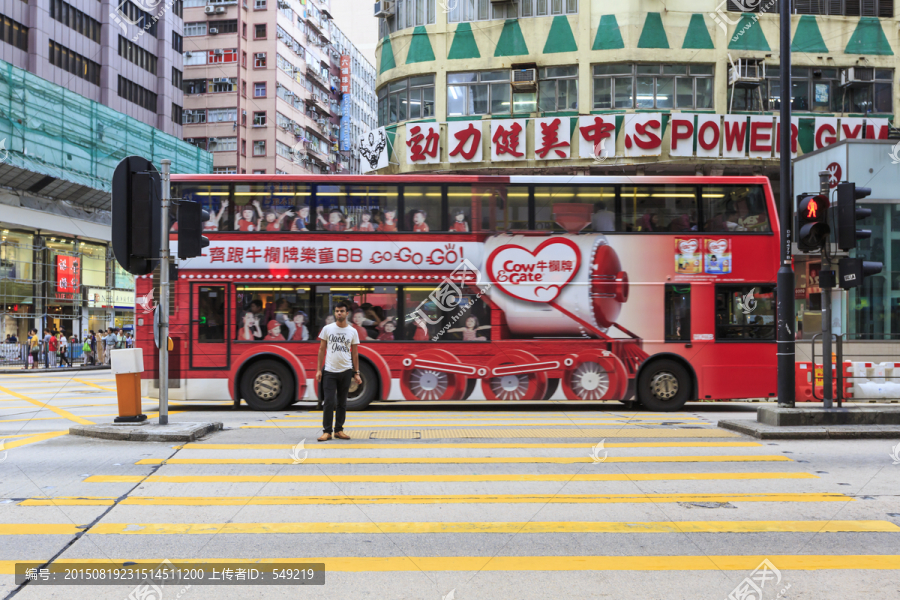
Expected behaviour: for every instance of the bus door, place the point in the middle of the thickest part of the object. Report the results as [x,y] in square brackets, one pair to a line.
[210,308]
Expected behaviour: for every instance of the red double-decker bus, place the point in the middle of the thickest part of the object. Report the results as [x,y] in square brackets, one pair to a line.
[655,289]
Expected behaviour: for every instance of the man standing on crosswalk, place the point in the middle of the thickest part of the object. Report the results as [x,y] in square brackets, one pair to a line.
[340,359]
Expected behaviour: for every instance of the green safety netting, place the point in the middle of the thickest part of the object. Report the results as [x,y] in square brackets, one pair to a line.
[47,129]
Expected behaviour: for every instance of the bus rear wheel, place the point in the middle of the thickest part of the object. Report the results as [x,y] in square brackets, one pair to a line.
[267,385]
[664,386]
[359,396]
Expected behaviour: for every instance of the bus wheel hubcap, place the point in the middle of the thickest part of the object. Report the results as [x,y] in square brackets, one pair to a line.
[664,385]
[266,386]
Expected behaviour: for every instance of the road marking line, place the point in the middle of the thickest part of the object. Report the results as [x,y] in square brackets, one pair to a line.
[573,432]
[62,413]
[444,499]
[439,478]
[94,385]
[358,564]
[551,417]
[473,460]
[495,445]
[450,423]
[34,439]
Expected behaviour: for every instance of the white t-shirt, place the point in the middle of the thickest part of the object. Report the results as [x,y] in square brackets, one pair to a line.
[340,339]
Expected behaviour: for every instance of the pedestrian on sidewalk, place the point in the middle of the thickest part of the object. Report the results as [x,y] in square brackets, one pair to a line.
[111,340]
[64,350]
[339,357]
[52,349]
[86,349]
[99,343]
[34,348]
[46,348]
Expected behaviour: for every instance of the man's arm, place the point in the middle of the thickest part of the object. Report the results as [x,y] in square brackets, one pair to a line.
[323,347]
[354,354]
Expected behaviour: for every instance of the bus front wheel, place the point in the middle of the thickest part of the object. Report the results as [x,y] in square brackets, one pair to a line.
[664,386]
[267,385]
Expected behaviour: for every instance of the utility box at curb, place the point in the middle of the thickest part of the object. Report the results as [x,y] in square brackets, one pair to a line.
[799,417]
[147,432]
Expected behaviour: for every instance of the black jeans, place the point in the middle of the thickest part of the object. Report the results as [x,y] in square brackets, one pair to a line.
[336,386]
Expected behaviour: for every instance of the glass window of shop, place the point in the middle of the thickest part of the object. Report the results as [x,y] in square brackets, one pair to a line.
[271,207]
[363,208]
[214,198]
[570,208]
[445,314]
[873,308]
[93,264]
[16,255]
[485,208]
[16,281]
[122,279]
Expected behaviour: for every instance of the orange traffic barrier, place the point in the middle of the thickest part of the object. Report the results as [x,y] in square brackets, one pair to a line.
[127,366]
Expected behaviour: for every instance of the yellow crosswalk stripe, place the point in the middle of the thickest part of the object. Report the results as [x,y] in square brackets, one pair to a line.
[45,405]
[571,432]
[451,423]
[40,437]
[458,527]
[747,563]
[439,478]
[438,499]
[462,445]
[468,460]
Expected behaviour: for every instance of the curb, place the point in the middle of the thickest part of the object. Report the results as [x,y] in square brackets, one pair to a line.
[54,370]
[147,432]
[830,432]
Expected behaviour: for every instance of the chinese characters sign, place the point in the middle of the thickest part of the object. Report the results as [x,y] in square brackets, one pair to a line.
[334,254]
[67,274]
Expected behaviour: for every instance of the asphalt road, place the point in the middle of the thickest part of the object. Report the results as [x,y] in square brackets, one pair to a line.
[446,501]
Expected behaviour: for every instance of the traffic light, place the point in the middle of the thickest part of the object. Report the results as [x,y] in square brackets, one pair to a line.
[854,269]
[812,222]
[191,218]
[136,215]
[848,214]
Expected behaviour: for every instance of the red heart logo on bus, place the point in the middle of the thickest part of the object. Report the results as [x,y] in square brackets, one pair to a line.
[537,275]
[688,247]
[717,246]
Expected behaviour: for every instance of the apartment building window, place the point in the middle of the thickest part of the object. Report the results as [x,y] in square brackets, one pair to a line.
[194,86]
[228,144]
[259,171]
[137,55]
[13,33]
[259,89]
[136,94]
[201,143]
[259,148]
[135,16]
[484,10]
[558,89]
[74,63]
[259,31]
[243,147]
[194,29]
[178,8]
[870,97]
[653,86]
[243,88]
[259,5]
[177,115]
[74,19]
[259,119]
[411,98]
[845,8]
[221,85]
[194,116]
[220,55]
[177,43]
[177,78]
[225,26]
[478,93]
[194,3]
[259,60]
[224,170]
[221,115]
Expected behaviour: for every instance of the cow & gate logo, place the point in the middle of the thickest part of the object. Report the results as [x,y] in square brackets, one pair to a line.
[537,275]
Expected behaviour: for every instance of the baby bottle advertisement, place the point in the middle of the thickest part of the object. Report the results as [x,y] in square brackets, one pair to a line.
[718,257]
[687,256]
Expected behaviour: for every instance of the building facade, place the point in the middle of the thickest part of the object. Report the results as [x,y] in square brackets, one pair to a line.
[125,55]
[262,85]
[597,86]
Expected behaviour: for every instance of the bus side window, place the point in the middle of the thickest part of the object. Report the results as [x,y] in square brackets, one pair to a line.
[745,312]
[678,313]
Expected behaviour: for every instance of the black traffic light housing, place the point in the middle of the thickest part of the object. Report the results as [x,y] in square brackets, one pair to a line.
[848,214]
[812,222]
[136,215]
[853,270]
[191,218]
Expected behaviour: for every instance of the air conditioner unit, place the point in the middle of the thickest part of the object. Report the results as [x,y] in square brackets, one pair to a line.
[218,51]
[220,10]
[285,126]
[213,140]
[283,4]
[210,10]
[213,31]
[857,75]
[746,71]
[523,80]
[188,54]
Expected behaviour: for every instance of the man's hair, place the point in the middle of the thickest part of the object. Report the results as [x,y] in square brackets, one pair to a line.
[256,303]
[345,305]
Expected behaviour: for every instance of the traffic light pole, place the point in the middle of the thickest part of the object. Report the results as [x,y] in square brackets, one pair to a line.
[785,281]
[164,299]
[826,282]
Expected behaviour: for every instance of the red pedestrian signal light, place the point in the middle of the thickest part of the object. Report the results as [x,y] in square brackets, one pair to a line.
[812,222]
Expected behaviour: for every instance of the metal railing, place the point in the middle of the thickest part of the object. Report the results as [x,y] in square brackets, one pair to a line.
[19,355]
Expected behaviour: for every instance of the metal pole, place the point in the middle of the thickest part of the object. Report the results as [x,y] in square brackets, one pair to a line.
[164,300]
[825,283]
[785,281]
